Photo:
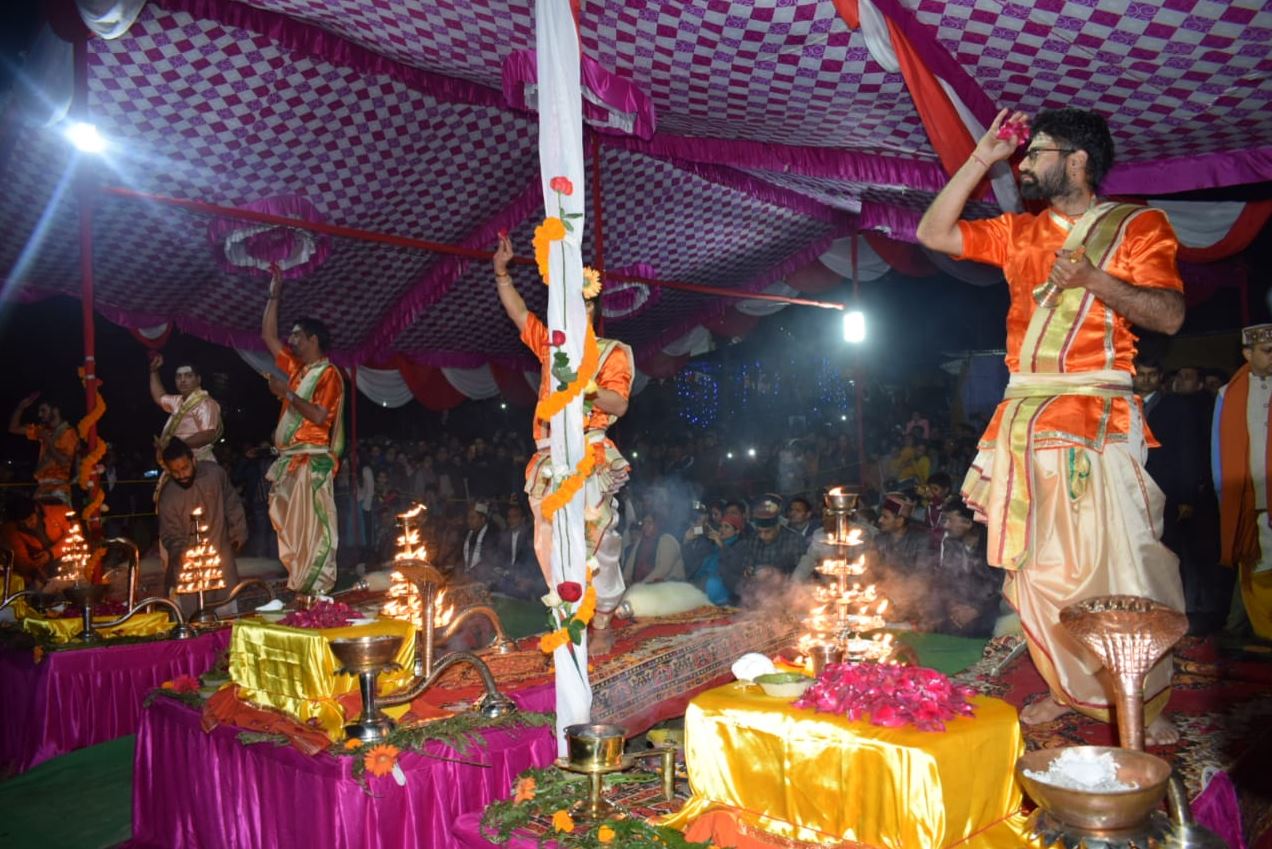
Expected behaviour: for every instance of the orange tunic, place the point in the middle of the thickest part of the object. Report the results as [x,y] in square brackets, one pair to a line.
[328,394]
[34,549]
[54,475]
[614,374]
[1024,246]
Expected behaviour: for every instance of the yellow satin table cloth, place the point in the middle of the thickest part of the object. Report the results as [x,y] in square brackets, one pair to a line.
[294,671]
[65,630]
[817,778]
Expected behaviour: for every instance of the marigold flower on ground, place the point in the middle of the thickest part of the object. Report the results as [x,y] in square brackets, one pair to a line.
[561,821]
[605,834]
[525,790]
[381,759]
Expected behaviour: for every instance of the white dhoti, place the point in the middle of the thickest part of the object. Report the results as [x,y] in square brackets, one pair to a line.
[604,543]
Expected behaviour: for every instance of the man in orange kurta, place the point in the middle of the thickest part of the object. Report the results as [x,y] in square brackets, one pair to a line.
[1239,462]
[58,442]
[309,439]
[1060,477]
[604,402]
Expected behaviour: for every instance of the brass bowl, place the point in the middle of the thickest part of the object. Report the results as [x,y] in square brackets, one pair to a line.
[82,594]
[1099,811]
[825,654]
[594,746]
[841,500]
[365,654]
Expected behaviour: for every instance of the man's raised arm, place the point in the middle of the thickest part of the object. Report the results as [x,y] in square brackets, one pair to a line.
[269,321]
[938,229]
[508,294]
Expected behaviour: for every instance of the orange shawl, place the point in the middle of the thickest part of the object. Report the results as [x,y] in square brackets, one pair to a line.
[1238,528]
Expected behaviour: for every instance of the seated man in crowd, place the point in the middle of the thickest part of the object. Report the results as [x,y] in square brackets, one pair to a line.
[654,557]
[799,517]
[773,551]
[967,591]
[902,556]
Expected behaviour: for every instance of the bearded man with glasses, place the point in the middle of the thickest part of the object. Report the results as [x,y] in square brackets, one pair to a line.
[1059,478]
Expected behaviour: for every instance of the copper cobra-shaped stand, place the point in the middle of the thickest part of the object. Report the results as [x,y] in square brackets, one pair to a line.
[1129,635]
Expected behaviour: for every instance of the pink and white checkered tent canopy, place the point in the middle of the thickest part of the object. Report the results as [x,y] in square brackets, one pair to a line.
[752,137]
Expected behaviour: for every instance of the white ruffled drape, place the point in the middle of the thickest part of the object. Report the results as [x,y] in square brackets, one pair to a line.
[384,386]
[475,383]
[109,18]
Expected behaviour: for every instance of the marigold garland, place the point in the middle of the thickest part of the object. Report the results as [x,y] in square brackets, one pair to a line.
[94,457]
[569,487]
[557,401]
[551,230]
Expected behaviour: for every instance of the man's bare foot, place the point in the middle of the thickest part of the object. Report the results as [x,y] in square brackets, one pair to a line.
[1161,732]
[601,621]
[1043,710]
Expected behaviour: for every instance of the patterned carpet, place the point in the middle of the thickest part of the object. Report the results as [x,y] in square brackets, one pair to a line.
[1221,704]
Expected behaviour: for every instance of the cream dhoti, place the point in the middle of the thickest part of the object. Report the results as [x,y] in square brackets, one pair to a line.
[1069,522]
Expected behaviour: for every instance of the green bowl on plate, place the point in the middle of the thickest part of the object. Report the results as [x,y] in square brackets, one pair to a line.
[784,685]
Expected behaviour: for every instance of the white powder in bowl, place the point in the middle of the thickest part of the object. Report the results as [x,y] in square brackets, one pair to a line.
[1083,769]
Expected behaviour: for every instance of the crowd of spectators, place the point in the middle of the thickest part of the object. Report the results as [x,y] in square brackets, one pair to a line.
[732,515]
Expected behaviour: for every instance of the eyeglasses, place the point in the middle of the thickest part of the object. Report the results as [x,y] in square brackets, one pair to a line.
[1032,154]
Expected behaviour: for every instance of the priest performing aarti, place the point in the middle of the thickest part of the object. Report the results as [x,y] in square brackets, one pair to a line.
[605,401]
[1059,478]
[309,438]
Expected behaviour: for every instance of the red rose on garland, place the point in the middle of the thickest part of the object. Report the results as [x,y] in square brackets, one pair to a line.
[569,591]
[558,338]
[562,185]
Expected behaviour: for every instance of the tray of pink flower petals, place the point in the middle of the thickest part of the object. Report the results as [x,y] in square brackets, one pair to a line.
[891,696]
[324,614]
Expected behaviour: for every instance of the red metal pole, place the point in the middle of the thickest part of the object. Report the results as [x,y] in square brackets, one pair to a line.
[856,377]
[85,193]
[437,247]
[354,481]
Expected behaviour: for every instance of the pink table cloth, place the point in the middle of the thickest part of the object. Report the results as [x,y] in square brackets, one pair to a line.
[209,791]
[75,698]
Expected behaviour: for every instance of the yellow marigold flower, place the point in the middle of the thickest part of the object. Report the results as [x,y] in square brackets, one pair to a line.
[353,743]
[605,834]
[561,821]
[591,282]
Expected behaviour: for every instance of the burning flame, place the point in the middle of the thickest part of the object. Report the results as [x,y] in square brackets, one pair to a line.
[404,601]
[73,563]
[201,564]
[442,616]
[409,545]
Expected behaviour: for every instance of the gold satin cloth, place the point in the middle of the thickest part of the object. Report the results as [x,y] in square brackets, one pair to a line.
[797,775]
[294,671]
[65,630]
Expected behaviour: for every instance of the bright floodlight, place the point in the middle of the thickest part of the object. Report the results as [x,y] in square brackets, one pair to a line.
[855,327]
[750,452]
[85,137]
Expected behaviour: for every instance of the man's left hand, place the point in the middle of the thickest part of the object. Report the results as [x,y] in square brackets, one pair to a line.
[1072,270]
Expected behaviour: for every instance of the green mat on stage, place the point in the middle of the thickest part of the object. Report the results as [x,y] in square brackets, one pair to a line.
[945,653]
[520,618]
[82,800]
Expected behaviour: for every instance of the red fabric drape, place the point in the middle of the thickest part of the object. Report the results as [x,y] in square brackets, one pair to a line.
[661,365]
[513,386]
[813,279]
[731,324]
[901,256]
[429,385]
